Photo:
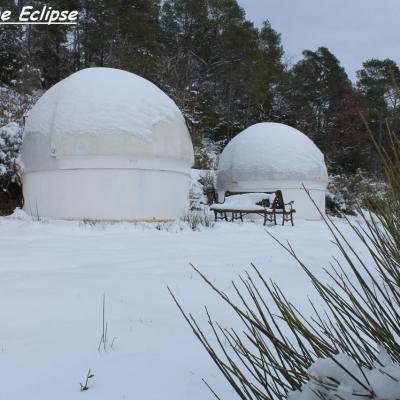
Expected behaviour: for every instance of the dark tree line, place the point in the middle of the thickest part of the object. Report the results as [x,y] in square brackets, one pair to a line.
[223,72]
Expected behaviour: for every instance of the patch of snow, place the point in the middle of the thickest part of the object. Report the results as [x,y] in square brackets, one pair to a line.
[383,380]
[246,201]
[20,215]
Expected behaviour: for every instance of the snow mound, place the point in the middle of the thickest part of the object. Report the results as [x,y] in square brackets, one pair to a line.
[246,201]
[271,152]
[330,378]
[20,214]
[101,100]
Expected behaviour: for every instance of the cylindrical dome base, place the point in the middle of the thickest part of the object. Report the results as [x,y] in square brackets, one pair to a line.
[106,194]
[304,206]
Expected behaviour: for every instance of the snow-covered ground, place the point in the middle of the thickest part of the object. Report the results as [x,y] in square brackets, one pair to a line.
[53,276]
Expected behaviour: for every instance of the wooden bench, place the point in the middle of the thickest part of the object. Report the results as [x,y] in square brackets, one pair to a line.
[262,207]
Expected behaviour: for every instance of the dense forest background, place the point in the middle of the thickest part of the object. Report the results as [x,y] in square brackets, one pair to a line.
[223,72]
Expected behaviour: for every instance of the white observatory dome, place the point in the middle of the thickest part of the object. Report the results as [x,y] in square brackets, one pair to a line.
[270,156]
[106,144]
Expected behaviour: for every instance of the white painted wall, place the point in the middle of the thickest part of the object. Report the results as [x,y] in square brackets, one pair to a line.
[107,194]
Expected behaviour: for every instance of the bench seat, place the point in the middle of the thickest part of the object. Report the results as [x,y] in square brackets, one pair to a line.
[227,207]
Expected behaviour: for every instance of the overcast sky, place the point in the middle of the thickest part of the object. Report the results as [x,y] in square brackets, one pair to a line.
[353,30]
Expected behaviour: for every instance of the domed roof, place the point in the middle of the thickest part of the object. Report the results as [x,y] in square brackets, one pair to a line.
[104,112]
[270,152]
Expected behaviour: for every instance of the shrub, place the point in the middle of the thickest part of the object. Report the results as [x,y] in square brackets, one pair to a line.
[346,193]
[15,100]
[10,188]
[199,218]
[207,180]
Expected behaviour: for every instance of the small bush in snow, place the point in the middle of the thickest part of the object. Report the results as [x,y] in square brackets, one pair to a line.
[346,193]
[202,189]
[207,180]
[205,153]
[199,218]
[15,100]
[10,143]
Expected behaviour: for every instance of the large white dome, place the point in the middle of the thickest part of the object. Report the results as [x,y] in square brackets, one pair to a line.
[268,154]
[104,112]
[106,144]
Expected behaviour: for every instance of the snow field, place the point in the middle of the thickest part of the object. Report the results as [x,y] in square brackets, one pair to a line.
[53,275]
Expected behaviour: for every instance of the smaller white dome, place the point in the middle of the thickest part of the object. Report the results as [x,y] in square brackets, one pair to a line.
[271,156]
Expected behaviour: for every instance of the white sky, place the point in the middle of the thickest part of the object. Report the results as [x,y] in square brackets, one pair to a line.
[353,30]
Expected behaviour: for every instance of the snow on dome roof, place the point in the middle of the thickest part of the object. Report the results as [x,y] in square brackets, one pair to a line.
[104,112]
[101,100]
[268,152]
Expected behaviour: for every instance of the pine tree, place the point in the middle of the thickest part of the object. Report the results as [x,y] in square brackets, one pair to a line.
[119,34]
[377,82]
[11,49]
[319,94]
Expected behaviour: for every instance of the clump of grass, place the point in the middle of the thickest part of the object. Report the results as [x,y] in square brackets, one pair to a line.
[85,386]
[104,344]
[89,222]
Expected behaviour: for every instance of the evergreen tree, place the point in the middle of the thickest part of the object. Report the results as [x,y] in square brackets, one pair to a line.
[119,34]
[11,47]
[319,95]
[48,47]
[272,75]
[377,82]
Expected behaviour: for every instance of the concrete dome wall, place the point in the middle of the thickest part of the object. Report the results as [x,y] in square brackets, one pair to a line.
[106,144]
[271,156]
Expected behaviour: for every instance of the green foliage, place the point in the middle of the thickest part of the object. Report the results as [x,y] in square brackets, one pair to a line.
[324,105]
[377,82]
[119,34]
[220,67]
